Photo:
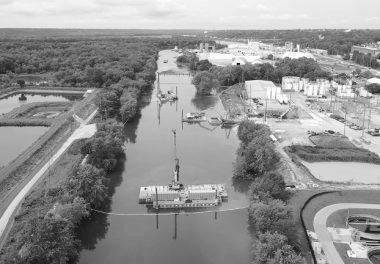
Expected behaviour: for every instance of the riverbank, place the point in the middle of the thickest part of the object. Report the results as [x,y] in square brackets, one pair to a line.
[270,216]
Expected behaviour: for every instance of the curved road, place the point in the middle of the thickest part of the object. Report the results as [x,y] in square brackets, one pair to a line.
[84,131]
[323,235]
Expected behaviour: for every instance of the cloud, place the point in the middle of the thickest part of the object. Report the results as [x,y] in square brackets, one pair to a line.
[284,16]
[164,8]
[5,2]
[262,7]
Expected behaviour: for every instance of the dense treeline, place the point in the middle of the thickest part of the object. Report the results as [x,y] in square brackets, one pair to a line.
[85,62]
[335,41]
[373,88]
[270,217]
[230,75]
[50,238]
[365,59]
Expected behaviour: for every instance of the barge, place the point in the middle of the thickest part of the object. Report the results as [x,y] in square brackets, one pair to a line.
[177,195]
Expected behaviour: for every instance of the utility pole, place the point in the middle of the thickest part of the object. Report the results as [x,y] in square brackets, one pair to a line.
[265,112]
[345,121]
[369,115]
[363,121]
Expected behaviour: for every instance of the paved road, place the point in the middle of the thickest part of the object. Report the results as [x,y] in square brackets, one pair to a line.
[320,227]
[84,131]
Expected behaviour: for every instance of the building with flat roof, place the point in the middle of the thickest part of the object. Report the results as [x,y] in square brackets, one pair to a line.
[297,55]
[374,51]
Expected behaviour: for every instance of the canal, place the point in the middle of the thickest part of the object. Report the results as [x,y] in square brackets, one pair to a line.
[206,155]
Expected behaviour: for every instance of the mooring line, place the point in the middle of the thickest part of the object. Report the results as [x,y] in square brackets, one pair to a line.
[179,213]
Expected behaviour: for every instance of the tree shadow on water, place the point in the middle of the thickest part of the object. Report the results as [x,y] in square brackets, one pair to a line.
[94,228]
[204,102]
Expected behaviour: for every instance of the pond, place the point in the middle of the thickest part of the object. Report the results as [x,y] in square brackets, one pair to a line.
[206,155]
[355,172]
[14,140]
[9,103]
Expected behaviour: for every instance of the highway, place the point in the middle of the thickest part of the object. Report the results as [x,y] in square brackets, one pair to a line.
[320,227]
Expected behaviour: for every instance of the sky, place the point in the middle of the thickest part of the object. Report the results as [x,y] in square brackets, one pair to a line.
[190,14]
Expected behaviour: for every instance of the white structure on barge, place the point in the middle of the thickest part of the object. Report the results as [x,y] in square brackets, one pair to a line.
[179,196]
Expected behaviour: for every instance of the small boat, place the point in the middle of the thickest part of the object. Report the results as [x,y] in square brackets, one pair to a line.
[22,97]
[229,121]
[165,61]
[165,97]
[194,117]
[214,121]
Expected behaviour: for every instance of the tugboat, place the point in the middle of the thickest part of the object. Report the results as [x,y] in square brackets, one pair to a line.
[22,97]
[180,196]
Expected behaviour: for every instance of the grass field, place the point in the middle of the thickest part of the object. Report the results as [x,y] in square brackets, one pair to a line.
[333,147]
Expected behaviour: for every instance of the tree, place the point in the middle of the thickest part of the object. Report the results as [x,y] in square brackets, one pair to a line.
[105,147]
[271,185]
[74,211]
[21,83]
[346,56]
[357,72]
[273,215]
[108,102]
[272,248]
[205,82]
[373,88]
[89,183]
[48,241]
[254,159]
[248,130]
[203,65]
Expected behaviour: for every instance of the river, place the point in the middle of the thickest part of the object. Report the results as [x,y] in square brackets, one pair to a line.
[206,155]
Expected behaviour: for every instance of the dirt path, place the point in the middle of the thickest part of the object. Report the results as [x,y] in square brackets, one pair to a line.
[84,131]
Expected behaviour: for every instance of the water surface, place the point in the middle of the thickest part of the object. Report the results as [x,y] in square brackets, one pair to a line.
[14,140]
[355,172]
[11,102]
[206,156]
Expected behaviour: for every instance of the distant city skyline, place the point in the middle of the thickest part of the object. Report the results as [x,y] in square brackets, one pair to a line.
[190,14]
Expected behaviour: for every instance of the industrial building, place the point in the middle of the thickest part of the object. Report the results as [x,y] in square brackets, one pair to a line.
[318,88]
[373,80]
[224,59]
[374,51]
[297,55]
[265,90]
[206,47]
